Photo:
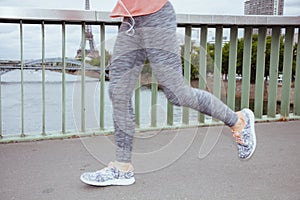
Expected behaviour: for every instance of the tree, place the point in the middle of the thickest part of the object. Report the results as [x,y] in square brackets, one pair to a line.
[294,58]
[225,58]
[210,57]
[195,56]
[96,61]
[268,56]
[240,50]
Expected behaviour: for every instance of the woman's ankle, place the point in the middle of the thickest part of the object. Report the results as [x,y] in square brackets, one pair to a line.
[240,124]
[122,166]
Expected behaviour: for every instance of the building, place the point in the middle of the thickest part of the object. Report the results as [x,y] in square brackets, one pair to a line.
[263,7]
[247,7]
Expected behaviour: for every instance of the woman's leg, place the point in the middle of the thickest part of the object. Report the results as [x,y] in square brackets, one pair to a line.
[164,56]
[127,63]
[163,52]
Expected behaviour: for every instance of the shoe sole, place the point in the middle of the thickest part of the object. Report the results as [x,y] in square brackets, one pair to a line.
[252,121]
[120,182]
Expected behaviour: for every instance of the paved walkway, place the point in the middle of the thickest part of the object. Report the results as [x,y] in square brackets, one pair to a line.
[171,165]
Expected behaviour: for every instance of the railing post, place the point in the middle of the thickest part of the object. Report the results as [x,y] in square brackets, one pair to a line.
[83,44]
[287,72]
[187,67]
[260,72]
[137,97]
[232,67]
[0,109]
[63,77]
[218,62]
[274,63]
[43,81]
[170,113]
[202,66]
[154,88]
[22,79]
[297,80]
[102,78]
[246,67]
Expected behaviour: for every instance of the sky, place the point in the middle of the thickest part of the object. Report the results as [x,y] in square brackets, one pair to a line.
[9,34]
[235,7]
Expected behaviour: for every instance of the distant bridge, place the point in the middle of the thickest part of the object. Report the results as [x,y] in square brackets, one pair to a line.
[48,64]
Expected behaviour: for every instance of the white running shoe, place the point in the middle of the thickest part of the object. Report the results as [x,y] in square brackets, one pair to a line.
[248,138]
[108,176]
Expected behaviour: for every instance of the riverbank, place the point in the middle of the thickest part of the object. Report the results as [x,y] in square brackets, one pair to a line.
[146,81]
[194,83]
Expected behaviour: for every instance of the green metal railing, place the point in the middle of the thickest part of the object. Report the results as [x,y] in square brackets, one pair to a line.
[280,25]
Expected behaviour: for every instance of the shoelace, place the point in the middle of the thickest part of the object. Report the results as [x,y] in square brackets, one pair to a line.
[108,168]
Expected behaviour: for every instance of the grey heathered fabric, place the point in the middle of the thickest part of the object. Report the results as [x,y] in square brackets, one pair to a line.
[154,37]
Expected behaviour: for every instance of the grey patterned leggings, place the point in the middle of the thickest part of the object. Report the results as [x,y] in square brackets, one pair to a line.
[154,38]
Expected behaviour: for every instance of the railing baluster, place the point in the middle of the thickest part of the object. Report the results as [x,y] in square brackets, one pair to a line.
[0,108]
[43,82]
[83,44]
[260,72]
[22,78]
[63,77]
[297,80]
[102,78]
[170,113]
[232,67]
[154,88]
[137,98]
[202,66]
[246,67]
[218,62]
[274,63]
[187,68]
[287,72]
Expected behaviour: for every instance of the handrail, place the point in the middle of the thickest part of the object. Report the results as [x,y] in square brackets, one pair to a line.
[29,15]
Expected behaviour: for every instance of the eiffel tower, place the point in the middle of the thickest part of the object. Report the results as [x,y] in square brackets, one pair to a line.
[91,53]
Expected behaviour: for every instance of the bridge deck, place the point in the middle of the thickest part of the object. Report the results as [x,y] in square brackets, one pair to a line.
[51,169]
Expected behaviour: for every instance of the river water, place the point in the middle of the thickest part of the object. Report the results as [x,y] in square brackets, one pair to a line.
[11,103]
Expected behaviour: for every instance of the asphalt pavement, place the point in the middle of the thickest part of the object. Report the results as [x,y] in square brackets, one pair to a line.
[184,164]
